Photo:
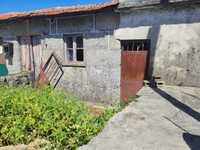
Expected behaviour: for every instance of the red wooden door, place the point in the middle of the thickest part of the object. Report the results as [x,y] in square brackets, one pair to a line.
[133,67]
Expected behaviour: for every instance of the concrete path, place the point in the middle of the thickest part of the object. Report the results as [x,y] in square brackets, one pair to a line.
[163,119]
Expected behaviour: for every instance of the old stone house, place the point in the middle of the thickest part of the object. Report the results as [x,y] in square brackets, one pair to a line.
[107,50]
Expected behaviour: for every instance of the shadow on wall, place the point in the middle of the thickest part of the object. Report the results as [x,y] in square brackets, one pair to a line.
[153,34]
[193,141]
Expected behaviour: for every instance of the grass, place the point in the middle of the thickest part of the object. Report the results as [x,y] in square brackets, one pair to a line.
[28,114]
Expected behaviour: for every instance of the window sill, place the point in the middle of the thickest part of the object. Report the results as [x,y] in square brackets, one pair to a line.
[74,64]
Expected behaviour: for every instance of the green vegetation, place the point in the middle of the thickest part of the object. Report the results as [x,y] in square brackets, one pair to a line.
[27,114]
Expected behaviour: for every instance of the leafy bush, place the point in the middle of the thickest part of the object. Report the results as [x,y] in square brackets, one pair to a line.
[27,114]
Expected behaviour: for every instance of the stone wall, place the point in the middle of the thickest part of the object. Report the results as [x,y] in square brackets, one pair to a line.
[175,35]
[17,79]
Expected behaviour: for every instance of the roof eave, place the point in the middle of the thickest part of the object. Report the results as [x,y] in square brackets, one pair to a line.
[28,15]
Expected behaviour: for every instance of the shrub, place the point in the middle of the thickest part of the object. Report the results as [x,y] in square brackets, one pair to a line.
[27,114]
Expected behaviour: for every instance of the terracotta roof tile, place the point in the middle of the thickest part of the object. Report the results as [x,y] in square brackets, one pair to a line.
[56,11]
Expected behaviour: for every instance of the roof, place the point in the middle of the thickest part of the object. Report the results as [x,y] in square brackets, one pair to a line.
[57,11]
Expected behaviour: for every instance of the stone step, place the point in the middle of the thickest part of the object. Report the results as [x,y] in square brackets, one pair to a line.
[157,77]
[159,83]
[146,83]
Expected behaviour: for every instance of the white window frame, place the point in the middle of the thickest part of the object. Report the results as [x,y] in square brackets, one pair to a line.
[74,48]
[53,26]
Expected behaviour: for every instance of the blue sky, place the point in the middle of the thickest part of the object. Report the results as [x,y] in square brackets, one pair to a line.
[27,5]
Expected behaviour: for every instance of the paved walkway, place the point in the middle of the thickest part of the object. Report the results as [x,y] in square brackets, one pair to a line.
[163,119]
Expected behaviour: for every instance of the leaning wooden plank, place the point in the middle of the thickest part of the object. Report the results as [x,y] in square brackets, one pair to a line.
[49,73]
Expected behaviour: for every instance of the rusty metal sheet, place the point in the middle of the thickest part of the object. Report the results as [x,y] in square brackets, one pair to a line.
[130,88]
[133,66]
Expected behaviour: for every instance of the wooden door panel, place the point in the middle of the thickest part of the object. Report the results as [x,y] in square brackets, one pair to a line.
[37,53]
[26,56]
[2,59]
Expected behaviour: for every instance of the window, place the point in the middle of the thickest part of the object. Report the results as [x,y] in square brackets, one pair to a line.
[2,58]
[74,48]
[69,42]
[1,45]
[79,48]
[6,52]
[53,26]
[135,45]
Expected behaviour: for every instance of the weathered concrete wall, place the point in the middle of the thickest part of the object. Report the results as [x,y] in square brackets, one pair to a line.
[12,30]
[141,3]
[99,79]
[75,24]
[175,35]
[136,3]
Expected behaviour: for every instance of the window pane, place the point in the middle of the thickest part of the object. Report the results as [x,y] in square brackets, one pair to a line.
[79,55]
[69,41]
[74,46]
[53,26]
[79,42]
[70,54]
[135,45]
[1,45]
